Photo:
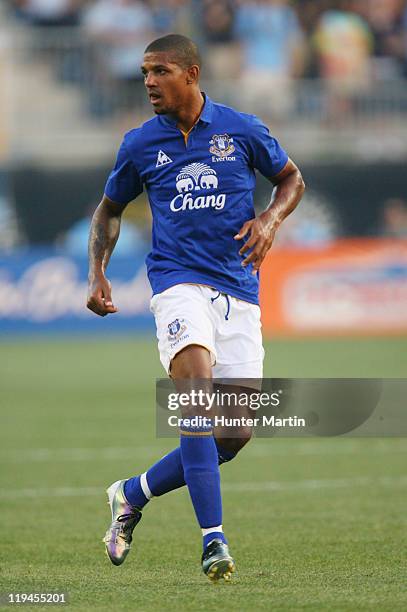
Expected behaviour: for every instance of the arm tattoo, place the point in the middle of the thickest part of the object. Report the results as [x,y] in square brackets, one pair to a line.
[98,242]
[103,236]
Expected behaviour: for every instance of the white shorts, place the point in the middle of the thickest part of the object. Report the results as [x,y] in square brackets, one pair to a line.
[228,327]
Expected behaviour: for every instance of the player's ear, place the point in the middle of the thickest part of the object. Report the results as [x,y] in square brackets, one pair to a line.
[192,74]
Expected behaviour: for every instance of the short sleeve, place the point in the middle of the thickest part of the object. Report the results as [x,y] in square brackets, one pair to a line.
[124,182]
[265,152]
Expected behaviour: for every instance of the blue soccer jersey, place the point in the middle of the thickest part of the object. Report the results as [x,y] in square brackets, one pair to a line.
[200,191]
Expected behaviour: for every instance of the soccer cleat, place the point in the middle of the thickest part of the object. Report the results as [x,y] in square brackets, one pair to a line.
[124,519]
[217,562]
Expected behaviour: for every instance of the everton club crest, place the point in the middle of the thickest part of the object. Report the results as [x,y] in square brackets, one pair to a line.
[221,147]
[176,329]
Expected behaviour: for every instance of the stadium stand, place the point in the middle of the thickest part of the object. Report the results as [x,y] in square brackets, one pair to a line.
[83,78]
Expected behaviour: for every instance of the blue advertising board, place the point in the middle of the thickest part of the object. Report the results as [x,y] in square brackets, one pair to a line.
[45,291]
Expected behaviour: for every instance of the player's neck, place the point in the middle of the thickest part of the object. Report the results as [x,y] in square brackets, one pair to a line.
[189,114]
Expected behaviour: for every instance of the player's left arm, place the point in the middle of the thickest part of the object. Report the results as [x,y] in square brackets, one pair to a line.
[289,189]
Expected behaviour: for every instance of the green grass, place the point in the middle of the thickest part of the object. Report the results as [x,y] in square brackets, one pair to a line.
[329,534]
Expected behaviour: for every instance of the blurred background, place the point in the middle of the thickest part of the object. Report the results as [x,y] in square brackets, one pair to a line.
[77,403]
[328,77]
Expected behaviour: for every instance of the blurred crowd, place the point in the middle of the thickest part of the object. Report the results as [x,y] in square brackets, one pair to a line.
[351,40]
[263,45]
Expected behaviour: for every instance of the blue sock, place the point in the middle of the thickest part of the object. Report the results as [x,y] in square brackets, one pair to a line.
[167,474]
[224,456]
[201,471]
[134,492]
[164,476]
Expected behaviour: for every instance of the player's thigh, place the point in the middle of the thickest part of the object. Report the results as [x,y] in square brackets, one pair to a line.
[191,371]
[183,320]
[239,345]
[192,362]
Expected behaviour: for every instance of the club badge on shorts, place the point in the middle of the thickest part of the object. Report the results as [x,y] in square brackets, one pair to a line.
[176,329]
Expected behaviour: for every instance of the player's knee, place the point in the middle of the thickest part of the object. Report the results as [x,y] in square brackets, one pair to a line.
[193,361]
[233,445]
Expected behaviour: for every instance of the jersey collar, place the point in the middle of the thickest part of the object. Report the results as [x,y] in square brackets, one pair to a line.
[207,111]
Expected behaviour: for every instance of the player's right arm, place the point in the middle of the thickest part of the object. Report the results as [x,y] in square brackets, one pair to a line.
[123,185]
[104,232]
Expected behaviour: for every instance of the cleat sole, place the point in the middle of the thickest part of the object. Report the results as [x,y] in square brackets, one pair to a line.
[221,569]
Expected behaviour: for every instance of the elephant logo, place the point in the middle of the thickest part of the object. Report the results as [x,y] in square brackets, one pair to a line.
[195,177]
[196,184]
[221,145]
[208,180]
[184,183]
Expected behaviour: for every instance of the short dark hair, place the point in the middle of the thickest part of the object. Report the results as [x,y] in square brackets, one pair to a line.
[184,49]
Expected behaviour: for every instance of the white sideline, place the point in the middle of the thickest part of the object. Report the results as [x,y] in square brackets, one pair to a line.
[342,447]
[241,487]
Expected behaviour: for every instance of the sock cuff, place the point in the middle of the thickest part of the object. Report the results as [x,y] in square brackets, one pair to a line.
[144,486]
[196,434]
[196,426]
[218,529]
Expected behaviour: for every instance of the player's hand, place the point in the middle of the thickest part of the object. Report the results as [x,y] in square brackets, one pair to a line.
[261,235]
[100,296]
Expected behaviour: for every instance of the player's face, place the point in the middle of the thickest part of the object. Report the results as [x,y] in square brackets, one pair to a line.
[166,83]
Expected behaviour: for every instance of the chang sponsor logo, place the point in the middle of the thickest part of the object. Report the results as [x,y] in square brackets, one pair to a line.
[197,177]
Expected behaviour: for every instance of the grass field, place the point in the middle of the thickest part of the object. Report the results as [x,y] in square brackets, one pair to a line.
[314,524]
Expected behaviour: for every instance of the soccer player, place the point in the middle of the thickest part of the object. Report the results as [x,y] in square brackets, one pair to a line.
[197,160]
